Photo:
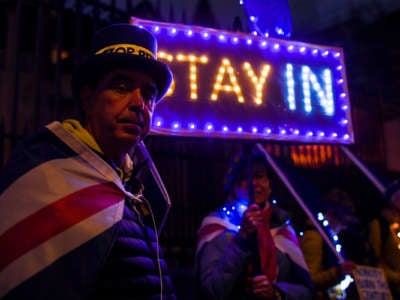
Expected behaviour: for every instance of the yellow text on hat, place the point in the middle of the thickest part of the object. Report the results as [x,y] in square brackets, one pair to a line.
[127,49]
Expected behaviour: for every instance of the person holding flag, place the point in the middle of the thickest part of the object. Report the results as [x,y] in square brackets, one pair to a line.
[247,248]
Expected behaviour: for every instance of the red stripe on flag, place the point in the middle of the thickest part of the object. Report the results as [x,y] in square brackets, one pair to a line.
[55,218]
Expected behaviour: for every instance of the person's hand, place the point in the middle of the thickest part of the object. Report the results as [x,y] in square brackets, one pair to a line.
[262,288]
[251,219]
[346,268]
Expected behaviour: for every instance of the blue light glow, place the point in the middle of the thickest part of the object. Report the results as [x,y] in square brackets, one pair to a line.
[234,212]
[268,18]
[209,126]
[172,31]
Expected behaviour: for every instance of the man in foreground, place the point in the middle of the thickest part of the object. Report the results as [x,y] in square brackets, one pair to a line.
[73,221]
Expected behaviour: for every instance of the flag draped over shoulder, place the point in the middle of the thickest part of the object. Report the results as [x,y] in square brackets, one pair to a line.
[57,198]
[284,237]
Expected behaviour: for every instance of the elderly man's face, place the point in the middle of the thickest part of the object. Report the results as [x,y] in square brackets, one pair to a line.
[261,184]
[118,112]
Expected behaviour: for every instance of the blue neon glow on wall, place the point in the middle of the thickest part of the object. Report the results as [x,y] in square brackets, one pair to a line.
[244,86]
[269,18]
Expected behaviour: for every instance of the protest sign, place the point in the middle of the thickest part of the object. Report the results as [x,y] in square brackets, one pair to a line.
[371,284]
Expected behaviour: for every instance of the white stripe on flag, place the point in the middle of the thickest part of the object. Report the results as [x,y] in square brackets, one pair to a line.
[294,252]
[44,185]
[45,254]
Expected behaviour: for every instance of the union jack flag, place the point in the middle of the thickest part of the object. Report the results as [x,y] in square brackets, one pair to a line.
[59,202]
[284,236]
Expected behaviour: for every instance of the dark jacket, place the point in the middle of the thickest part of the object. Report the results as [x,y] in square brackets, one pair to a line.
[223,260]
[71,228]
[133,270]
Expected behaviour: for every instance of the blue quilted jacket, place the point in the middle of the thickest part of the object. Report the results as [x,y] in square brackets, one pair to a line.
[68,230]
[132,271]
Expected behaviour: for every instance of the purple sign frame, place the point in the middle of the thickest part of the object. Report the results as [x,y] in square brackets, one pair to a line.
[239,86]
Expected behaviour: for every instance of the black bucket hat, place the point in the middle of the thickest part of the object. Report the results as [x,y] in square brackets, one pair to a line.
[123,46]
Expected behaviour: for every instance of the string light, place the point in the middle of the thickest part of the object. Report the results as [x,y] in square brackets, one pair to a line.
[234,212]
[332,234]
[338,291]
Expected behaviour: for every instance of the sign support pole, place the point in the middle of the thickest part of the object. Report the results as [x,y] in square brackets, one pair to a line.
[364,169]
[300,201]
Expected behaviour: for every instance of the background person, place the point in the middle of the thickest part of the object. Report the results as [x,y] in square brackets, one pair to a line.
[249,250]
[384,237]
[69,226]
[346,230]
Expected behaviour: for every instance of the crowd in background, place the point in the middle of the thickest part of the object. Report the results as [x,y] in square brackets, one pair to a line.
[229,256]
[373,243]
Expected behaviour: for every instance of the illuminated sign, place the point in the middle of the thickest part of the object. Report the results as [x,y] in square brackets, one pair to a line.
[235,85]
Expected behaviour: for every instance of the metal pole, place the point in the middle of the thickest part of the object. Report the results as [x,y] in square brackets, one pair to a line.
[300,201]
[364,169]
